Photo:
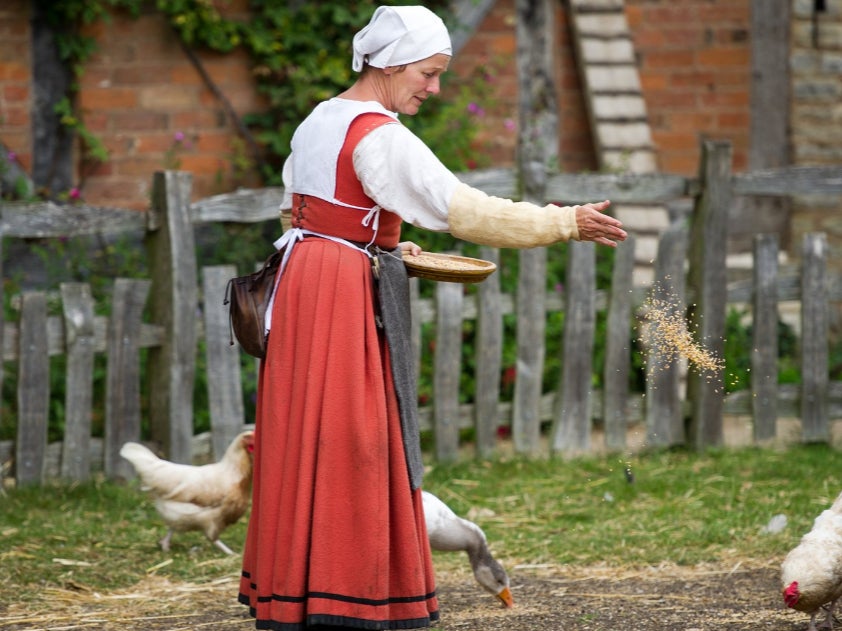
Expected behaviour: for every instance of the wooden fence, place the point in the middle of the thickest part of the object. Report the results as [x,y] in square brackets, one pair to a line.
[174,298]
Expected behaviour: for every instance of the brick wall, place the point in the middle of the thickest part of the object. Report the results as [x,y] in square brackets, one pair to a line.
[494,47]
[140,94]
[15,89]
[694,64]
[142,97]
[816,114]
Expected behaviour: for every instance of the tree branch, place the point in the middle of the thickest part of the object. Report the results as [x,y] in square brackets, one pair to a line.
[226,104]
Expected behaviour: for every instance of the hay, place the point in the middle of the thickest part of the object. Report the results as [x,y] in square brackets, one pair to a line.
[153,603]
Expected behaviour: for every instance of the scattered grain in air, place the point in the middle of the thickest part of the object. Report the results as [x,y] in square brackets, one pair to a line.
[668,335]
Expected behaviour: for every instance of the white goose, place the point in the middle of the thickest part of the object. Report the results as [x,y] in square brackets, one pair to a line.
[448,532]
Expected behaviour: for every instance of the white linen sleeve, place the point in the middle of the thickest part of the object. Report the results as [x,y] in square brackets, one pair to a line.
[400,173]
[286,177]
[285,209]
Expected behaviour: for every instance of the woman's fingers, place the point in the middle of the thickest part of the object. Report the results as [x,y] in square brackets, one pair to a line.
[598,227]
[408,247]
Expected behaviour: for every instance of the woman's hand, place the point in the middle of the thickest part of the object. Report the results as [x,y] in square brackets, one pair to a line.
[408,247]
[594,225]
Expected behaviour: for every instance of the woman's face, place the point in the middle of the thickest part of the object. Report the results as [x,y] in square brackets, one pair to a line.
[410,85]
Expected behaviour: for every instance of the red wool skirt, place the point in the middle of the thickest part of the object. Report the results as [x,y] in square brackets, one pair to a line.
[336,536]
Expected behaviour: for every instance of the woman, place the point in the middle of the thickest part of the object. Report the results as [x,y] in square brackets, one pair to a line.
[336,536]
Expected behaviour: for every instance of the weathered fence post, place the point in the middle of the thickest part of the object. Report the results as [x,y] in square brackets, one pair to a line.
[707,281]
[571,432]
[537,150]
[814,339]
[78,308]
[122,403]
[764,344]
[617,351]
[2,312]
[172,265]
[531,331]
[33,389]
[664,415]
[225,388]
[489,356]
[448,363]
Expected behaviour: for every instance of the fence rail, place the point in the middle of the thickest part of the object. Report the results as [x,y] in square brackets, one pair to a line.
[172,297]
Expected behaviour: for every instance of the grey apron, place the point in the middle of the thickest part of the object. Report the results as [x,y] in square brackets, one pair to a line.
[393,293]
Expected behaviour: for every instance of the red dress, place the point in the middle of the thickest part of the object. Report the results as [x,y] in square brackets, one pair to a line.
[336,534]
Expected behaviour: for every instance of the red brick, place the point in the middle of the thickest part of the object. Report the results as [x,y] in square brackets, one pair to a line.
[138,166]
[107,98]
[685,37]
[157,143]
[729,11]
[504,44]
[97,122]
[203,164]
[20,143]
[738,120]
[14,71]
[681,163]
[724,57]
[219,142]
[138,120]
[675,140]
[668,58]
[671,100]
[99,169]
[650,82]
[690,77]
[725,99]
[694,119]
[96,77]
[143,74]
[119,191]
[185,75]
[167,98]
[733,78]
[198,118]
[674,13]
[118,146]
[15,116]
[634,16]
[16,92]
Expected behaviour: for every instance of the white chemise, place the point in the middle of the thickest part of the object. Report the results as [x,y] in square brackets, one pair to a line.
[398,171]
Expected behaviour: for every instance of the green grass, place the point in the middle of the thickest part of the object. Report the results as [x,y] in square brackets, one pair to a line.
[682,507]
[97,536]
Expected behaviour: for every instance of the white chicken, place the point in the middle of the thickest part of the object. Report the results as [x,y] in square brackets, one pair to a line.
[209,497]
[811,574]
[448,532]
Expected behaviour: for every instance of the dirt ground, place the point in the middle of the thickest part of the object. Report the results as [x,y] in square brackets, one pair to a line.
[665,598]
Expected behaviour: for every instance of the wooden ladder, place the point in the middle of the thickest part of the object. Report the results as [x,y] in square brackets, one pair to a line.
[617,112]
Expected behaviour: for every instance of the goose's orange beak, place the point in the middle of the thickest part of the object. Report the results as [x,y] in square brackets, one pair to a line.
[506,596]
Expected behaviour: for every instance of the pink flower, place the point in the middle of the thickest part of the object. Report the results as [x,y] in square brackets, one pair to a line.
[11,156]
[474,108]
[179,136]
[75,193]
[509,124]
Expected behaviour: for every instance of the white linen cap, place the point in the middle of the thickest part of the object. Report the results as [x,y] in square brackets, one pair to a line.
[400,35]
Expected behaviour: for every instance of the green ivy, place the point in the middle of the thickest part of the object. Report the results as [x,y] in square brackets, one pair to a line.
[300,53]
[68,19]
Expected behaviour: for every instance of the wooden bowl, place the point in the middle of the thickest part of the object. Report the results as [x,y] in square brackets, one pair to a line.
[449,268]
